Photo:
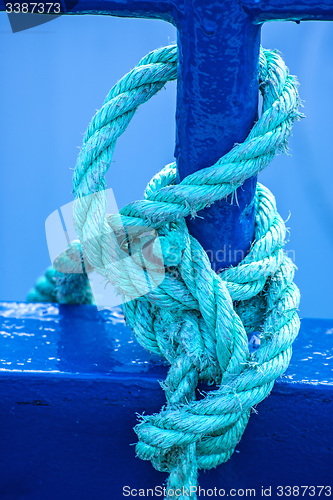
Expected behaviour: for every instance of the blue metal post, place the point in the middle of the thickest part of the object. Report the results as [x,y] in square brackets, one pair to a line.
[217,103]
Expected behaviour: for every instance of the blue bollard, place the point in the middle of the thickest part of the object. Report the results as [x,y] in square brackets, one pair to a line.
[217,94]
[72,379]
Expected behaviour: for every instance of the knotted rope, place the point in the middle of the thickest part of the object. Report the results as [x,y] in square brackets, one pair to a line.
[199,321]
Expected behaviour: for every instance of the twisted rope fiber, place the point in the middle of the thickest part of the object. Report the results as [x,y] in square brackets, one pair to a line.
[199,321]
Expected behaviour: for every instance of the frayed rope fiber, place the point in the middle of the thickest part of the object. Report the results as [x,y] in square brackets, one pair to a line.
[199,321]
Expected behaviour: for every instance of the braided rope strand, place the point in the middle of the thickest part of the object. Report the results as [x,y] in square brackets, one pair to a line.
[199,321]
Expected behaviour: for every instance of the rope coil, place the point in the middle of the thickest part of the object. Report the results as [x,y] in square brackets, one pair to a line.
[199,321]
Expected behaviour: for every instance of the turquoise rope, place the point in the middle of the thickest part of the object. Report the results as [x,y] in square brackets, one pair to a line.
[68,287]
[197,320]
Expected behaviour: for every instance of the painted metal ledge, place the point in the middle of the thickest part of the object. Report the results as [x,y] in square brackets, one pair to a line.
[73,378]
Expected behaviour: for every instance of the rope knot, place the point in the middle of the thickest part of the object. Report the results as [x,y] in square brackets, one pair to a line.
[198,320]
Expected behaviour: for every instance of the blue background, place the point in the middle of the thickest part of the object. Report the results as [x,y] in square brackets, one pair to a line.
[55,76]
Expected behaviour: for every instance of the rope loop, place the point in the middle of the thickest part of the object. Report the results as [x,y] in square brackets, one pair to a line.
[198,320]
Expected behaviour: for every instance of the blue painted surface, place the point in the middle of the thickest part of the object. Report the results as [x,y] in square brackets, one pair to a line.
[72,380]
